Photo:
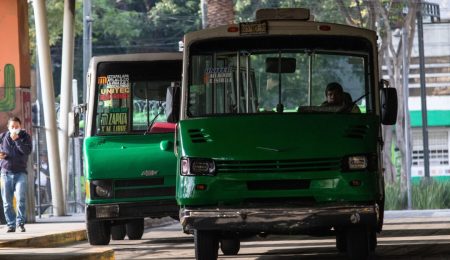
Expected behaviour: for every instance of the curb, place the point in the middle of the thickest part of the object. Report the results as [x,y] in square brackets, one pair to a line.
[42,247]
[57,254]
[50,240]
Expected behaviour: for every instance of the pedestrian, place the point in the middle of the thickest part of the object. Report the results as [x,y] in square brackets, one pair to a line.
[15,146]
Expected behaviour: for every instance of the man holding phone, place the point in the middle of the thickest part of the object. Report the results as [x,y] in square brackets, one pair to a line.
[15,146]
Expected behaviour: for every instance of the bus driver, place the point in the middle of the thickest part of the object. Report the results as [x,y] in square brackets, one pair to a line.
[335,96]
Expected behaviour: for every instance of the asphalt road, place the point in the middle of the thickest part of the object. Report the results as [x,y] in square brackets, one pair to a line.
[406,235]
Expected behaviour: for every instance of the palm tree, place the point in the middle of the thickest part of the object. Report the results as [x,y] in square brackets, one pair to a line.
[219,12]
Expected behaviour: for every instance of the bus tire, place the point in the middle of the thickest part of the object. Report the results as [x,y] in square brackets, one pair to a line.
[118,232]
[98,232]
[206,245]
[230,246]
[341,242]
[357,239]
[373,240]
[135,228]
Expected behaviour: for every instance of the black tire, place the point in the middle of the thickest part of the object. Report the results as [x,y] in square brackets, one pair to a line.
[230,246]
[98,232]
[118,232]
[341,241]
[357,242]
[373,241]
[135,229]
[206,245]
[381,221]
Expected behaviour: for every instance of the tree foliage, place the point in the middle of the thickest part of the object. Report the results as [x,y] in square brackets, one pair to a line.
[55,10]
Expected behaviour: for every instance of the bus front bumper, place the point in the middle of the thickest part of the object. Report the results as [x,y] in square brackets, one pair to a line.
[278,220]
[126,210]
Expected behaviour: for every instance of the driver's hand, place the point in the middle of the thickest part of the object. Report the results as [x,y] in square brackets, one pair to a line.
[14,136]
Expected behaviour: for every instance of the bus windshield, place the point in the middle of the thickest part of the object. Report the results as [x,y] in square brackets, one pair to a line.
[132,95]
[253,80]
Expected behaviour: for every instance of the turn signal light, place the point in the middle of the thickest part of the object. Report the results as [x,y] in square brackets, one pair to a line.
[355,183]
[233,28]
[324,28]
[200,187]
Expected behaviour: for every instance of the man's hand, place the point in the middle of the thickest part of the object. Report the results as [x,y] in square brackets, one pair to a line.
[2,155]
[14,136]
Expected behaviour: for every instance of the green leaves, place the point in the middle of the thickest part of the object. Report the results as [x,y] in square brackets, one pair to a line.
[115,26]
[424,195]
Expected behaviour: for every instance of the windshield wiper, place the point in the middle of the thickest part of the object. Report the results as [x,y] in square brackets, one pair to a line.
[149,127]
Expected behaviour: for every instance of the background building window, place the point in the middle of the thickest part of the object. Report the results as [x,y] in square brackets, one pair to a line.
[438,146]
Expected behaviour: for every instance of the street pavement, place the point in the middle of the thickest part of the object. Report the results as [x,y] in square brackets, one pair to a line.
[45,238]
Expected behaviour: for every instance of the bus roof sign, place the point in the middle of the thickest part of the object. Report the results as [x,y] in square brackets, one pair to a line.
[253,28]
[282,14]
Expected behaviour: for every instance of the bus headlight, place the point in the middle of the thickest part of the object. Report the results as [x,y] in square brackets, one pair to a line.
[357,162]
[101,188]
[197,166]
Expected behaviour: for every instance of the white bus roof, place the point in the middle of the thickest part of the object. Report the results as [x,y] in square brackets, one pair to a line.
[281,27]
[138,57]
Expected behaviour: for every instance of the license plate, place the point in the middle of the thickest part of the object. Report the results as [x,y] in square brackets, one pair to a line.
[107,211]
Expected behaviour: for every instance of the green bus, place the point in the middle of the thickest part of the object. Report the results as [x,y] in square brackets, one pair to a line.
[129,163]
[259,154]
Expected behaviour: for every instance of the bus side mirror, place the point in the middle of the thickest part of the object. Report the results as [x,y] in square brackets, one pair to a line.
[74,124]
[74,120]
[389,104]
[173,99]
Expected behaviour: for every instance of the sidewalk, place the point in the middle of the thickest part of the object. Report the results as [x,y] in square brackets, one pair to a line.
[47,231]
[43,238]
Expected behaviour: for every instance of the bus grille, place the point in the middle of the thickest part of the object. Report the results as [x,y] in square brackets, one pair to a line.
[278,185]
[139,188]
[310,165]
[199,136]
[139,182]
[357,131]
[145,192]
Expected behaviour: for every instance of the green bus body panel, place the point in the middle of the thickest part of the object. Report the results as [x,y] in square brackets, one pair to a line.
[126,157]
[312,139]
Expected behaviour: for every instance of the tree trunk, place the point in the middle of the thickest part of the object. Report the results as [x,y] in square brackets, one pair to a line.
[220,12]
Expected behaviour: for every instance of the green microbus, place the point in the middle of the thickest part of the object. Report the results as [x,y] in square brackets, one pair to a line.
[129,163]
[258,153]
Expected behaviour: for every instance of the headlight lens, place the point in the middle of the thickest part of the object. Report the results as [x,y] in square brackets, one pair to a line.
[101,188]
[195,166]
[102,192]
[357,162]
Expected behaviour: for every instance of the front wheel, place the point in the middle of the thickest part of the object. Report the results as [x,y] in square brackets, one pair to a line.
[135,229]
[341,241]
[357,240]
[98,232]
[118,232]
[373,240]
[230,246]
[206,245]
